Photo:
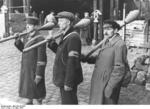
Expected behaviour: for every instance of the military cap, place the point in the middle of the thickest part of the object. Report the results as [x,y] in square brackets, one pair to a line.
[65,14]
[32,20]
[113,24]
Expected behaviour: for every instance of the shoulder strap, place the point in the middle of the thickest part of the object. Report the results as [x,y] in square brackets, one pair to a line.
[74,32]
[110,45]
[31,41]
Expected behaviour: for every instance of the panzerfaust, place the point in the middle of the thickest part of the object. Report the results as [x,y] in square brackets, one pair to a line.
[81,24]
[129,18]
[47,26]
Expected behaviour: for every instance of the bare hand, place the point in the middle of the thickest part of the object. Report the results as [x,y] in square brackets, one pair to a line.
[67,88]
[37,79]
[108,91]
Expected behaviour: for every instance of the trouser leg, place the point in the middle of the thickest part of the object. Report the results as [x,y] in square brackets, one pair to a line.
[114,98]
[29,102]
[69,97]
[38,101]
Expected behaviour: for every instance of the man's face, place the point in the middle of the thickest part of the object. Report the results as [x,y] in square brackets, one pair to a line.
[63,23]
[29,27]
[108,31]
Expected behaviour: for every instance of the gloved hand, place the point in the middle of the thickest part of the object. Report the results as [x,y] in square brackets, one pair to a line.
[83,58]
[50,41]
[37,79]
[17,36]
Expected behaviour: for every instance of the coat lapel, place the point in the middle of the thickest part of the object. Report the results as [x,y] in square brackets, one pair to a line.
[111,43]
[29,42]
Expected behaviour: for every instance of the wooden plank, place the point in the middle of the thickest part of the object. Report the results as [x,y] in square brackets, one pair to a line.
[146,46]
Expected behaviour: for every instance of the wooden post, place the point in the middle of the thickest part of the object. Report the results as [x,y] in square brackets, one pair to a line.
[101,20]
[95,24]
[111,9]
[9,5]
[146,34]
[7,16]
[116,9]
[24,6]
[28,5]
[124,15]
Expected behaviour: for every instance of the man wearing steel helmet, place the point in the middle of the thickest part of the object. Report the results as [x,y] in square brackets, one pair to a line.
[109,68]
[67,71]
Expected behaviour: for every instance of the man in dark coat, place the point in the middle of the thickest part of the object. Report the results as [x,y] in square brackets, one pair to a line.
[32,80]
[109,68]
[67,71]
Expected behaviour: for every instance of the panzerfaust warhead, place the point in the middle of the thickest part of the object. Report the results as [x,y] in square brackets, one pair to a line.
[81,24]
[129,18]
[47,26]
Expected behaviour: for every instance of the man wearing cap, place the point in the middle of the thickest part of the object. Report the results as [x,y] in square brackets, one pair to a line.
[109,68]
[67,71]
[32,80]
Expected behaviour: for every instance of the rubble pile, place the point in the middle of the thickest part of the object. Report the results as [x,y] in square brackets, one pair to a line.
[141,72]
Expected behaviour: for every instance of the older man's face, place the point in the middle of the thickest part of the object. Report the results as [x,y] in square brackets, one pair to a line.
[108,31]
[63,23]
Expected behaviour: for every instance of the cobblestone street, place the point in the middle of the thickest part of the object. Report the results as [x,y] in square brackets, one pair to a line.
[10,59]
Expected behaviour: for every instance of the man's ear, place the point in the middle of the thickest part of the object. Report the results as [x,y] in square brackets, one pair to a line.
[68,22]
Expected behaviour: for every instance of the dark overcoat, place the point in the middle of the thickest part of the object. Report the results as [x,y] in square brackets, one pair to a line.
[67,68]
[33,63]
[108,72]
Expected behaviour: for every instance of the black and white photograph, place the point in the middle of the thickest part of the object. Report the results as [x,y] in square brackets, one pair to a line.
[74,52]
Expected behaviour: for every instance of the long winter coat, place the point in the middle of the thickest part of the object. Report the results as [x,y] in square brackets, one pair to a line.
[67,68]
[109,72]
[33,63]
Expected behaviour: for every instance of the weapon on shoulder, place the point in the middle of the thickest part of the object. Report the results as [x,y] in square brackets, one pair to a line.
[81,24]
[42,42]
[47,26]
[96,47]
[129,18]
[13,37]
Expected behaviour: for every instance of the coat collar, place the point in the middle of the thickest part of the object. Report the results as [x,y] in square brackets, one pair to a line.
[69,31]
[114,40]
[66,34]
